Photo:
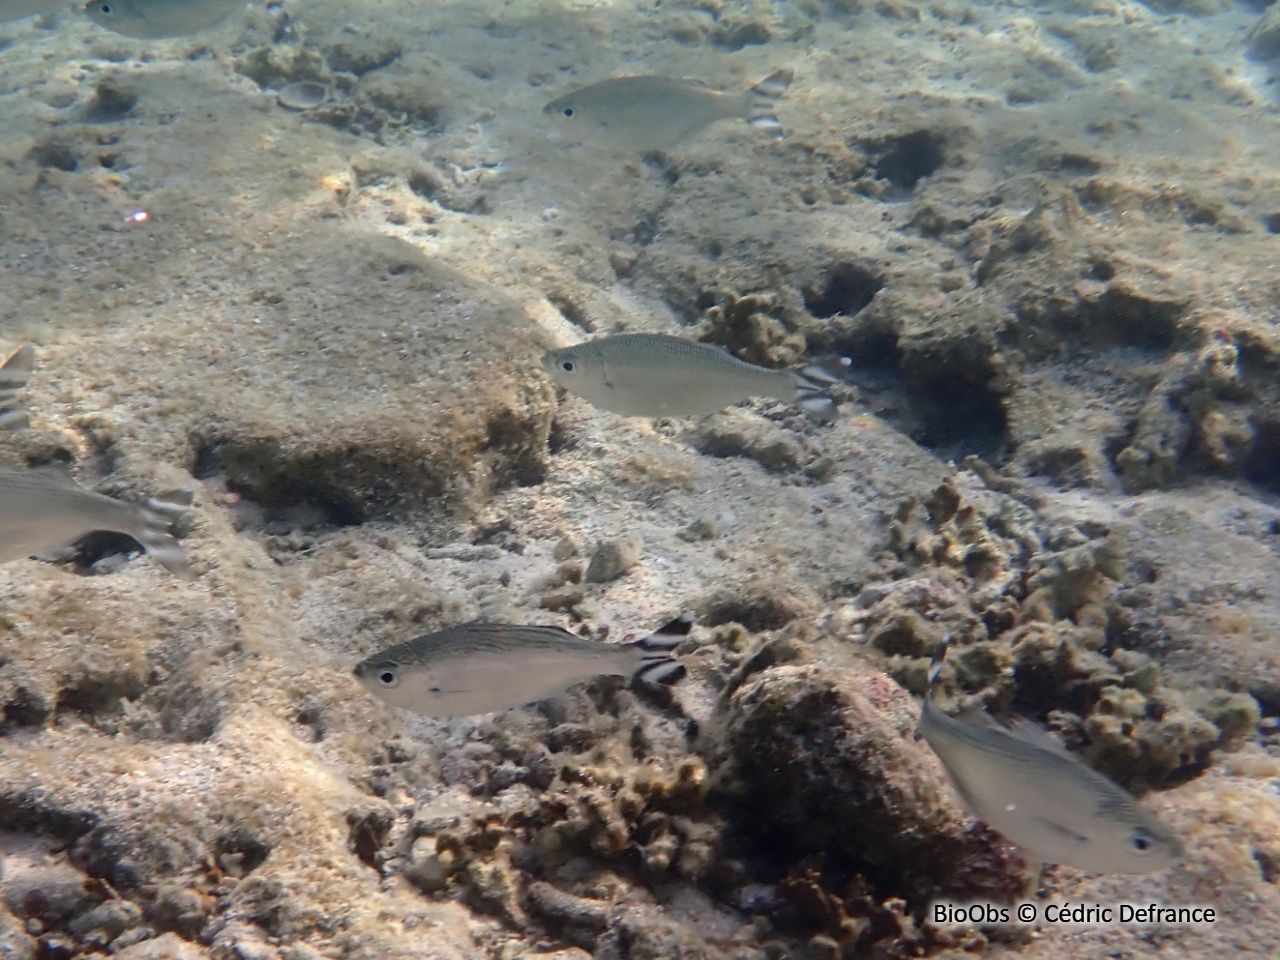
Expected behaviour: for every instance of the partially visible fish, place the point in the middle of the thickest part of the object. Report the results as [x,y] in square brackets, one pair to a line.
[655,113]
[485,667]
[18,9]
[1025,785]
[13,377]
[160,19]
[655,375]
[44,509]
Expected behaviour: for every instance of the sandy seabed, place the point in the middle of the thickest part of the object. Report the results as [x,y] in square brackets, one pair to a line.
[1044,233]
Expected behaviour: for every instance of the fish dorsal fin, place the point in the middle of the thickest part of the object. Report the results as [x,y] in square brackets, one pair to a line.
[975,715]
[1037,736]
[58,472]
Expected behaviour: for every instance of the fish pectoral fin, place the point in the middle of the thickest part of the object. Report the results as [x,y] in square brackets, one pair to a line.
[1063,831]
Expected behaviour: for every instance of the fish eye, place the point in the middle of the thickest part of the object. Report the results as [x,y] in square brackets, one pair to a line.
[1141,841]
[568,366]
[568,113]
[388,677]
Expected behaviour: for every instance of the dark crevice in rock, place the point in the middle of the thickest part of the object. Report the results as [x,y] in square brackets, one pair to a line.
[1262,464]
[906,160]
[756,613]
[312,486]
[239,852]
[369,830]
[845,289]
[960,410]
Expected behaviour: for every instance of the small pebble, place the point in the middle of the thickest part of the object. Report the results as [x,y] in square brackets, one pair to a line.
[613,558]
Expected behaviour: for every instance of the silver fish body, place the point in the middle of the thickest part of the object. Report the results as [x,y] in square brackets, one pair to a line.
[1026,786]
[44,509]
[160,19]
[13,377]
[656,113]
[655,375]
[482,668]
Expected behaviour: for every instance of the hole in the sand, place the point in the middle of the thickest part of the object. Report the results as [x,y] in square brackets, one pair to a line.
[846,289]
[908,159]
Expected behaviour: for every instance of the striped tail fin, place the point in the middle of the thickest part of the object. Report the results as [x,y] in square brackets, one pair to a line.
[935,669]
[657,665]
[13,377]
[158,515]
[763,97]
[813,387]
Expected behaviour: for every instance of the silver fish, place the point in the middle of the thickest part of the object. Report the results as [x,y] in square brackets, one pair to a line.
[1024,784]
[160,19]
[655,375]
[18,9]
[44,509]
[485,667]
[13,377]
[655,113]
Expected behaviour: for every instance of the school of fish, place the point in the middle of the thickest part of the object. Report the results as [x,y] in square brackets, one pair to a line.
[1016,778]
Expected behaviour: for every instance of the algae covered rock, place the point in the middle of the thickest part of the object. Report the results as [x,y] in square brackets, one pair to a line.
[824,761]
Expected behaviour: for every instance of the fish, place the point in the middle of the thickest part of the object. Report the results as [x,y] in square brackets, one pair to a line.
[19,9]
[656,375]
[486,667]
[655,113]
[160,19]
[1025,785]
[42,509]
[13,377]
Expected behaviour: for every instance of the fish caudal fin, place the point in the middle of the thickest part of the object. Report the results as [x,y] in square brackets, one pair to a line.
[13,377]
[763,97]
[657,665]
[158,515]
[935,669]
[813,388]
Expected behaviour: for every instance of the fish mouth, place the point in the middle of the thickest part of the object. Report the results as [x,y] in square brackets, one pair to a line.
[548,361]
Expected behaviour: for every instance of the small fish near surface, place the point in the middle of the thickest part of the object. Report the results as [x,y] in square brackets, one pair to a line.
[485,667]
[656,375]
[160,19]
[655,113]
[13,377]
[1024,784]
[43,509]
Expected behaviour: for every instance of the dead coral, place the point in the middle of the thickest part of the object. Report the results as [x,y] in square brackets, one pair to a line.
[750,326]
[648,815]
[1197,409]
[852,921]
[1030,613]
